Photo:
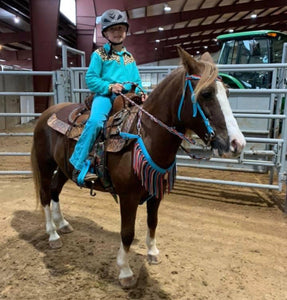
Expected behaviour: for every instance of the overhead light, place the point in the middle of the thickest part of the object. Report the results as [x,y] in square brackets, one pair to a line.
[59,42]
[167,8]
[160,28]
[155,49]
[253,16]
[205,47]
[157,41]
[231,30]
[197,52]
[16,19]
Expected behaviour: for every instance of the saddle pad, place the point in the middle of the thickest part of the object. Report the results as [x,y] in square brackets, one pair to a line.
[64,128]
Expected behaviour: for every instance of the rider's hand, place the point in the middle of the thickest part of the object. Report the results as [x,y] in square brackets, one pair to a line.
[144,97]
[116,88]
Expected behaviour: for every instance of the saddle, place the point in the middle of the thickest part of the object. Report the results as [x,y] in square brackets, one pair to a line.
[71,119]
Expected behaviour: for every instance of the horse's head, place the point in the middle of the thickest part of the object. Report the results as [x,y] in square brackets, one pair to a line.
[211,117]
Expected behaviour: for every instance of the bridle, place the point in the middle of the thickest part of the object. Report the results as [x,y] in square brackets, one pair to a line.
[196,107]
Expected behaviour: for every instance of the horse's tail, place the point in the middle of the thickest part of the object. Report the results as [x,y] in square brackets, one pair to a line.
[36,174]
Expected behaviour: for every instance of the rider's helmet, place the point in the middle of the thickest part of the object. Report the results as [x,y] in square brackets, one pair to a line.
[113,17]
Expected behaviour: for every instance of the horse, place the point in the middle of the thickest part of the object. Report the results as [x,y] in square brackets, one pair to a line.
[191,97]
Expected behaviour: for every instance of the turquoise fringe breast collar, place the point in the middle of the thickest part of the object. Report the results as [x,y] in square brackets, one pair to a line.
[152,176]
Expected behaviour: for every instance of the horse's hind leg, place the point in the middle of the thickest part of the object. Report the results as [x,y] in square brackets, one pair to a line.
[44,176]
[152,211]
[128,215]
[58,181]
[53,184]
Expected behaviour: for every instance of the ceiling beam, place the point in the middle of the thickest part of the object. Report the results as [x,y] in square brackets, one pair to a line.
[151,37]
[145,23]
[103,5]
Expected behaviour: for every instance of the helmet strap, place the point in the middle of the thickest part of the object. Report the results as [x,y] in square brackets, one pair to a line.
[115,44]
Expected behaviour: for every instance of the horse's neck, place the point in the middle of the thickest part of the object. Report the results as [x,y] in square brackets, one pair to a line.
[161,144]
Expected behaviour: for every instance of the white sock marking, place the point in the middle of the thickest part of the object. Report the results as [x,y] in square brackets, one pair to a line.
[50,225]
[57,215]
[151,245]
[123,263]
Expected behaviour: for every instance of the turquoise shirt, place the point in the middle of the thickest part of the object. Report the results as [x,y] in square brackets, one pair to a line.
[106,68]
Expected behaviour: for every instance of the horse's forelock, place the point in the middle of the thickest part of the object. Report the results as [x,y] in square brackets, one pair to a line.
[208,76]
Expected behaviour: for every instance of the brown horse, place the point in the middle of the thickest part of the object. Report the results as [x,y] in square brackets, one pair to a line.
[198,102]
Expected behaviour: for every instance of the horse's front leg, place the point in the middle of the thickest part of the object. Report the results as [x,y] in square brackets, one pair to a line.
[128,215]
[152,250]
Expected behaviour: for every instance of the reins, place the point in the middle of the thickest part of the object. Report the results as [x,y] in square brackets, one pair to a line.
[196,108]
[154,119]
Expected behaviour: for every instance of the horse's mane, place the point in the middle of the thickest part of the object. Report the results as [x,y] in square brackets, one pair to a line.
[208,74]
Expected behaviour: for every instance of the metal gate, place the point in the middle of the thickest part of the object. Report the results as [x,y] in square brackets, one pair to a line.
[261,115]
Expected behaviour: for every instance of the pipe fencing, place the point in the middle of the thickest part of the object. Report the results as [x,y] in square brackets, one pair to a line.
[261,114]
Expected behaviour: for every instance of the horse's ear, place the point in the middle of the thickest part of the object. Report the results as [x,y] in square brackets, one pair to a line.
[190,64]
[207,57]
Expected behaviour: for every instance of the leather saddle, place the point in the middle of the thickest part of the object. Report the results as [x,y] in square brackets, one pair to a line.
[71,119]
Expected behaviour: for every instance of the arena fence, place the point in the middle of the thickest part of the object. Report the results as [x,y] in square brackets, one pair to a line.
[261,114]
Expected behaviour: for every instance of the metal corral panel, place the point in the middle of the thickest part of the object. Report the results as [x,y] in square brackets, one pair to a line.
[251,104]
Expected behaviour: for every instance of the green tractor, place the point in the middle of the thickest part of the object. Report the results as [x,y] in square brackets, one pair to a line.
[251,47]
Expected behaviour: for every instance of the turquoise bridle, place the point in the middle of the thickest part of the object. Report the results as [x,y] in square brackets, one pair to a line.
[195,104]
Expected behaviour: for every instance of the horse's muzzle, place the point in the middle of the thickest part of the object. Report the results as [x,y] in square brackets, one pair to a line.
[226,149]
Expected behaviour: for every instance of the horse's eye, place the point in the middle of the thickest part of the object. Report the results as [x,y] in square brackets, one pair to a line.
[206,94]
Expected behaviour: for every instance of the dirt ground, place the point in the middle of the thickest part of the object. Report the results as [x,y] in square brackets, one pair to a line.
[216,242]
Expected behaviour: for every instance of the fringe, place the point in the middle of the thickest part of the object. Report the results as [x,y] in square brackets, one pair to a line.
[152,176]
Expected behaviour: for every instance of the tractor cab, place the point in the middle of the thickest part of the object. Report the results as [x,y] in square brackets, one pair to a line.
[252,47]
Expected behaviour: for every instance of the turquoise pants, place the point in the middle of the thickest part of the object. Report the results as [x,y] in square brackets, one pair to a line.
[99,112]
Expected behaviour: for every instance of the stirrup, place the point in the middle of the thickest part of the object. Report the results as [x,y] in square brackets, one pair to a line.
[90,177]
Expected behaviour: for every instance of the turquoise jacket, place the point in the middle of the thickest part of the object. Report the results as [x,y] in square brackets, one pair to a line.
[106,68]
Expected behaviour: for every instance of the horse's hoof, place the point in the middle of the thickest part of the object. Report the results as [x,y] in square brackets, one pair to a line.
[66,229]
[128,282]
[153,259]
[56,244]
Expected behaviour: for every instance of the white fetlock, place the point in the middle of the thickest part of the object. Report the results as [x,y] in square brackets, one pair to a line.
[126,277]
[54,238]
[58,218]
[153,252]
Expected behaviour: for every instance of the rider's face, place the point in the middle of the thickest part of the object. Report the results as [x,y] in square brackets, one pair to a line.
[116,33]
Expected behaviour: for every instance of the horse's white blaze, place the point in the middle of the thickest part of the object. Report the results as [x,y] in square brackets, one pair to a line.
[50,225]
[123,263]
[233,130]
[57,215]
[151,245]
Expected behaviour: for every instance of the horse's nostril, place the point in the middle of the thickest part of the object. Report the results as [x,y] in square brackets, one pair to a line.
[234,146]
